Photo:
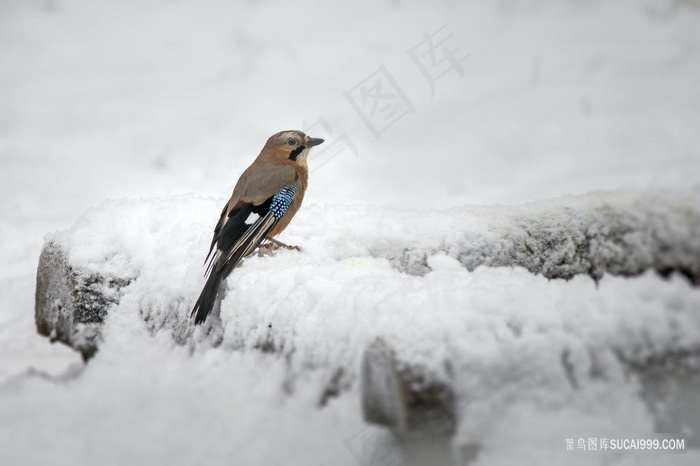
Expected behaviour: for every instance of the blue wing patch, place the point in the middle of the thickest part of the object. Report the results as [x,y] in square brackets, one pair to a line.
[282,200]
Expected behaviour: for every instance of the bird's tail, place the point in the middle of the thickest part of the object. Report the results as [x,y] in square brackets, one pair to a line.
[225,261]
[207,298]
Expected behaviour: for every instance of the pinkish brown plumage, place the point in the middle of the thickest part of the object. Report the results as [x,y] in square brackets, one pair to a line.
[266,197]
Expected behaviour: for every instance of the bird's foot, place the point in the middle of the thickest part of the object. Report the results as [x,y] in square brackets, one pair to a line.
[275,244]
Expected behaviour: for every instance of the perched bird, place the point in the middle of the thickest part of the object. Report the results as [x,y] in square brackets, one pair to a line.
[264,201]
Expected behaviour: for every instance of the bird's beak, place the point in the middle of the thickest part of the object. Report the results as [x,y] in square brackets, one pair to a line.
[313,142]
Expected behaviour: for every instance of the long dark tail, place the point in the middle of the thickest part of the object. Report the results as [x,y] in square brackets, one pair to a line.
[235,243]
[207,299]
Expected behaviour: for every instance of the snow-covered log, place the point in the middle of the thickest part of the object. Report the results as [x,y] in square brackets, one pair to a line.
[413,399]
[454,306]
[409,399]
[620,234]
[71,304]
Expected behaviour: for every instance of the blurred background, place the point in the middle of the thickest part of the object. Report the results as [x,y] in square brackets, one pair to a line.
[424,104]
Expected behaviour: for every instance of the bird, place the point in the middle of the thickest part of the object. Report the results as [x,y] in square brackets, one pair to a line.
[265,199]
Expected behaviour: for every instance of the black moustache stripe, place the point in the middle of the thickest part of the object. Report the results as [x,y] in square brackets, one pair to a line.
[295,153]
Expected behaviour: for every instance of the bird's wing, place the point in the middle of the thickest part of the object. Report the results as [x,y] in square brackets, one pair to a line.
[242,232]
[239,241]
[263,180]
[257,184]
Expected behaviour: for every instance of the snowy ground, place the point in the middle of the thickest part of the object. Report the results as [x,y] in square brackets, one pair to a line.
[162,98]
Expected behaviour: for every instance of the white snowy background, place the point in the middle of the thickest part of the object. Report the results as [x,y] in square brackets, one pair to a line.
[156,98]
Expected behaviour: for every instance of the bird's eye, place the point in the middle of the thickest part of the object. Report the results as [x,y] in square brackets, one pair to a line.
[291,142]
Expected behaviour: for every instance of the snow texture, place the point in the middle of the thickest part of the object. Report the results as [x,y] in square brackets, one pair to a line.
[140,241]
[453,323]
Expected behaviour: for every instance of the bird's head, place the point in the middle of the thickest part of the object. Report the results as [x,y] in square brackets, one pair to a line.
[292,145]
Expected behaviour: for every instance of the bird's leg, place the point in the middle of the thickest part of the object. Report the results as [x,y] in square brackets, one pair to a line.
[280,244]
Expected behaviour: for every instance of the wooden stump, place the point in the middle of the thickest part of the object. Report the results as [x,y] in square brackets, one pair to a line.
[70,304]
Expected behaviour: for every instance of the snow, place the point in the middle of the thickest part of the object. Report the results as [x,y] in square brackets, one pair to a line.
[512,339]
[150,102]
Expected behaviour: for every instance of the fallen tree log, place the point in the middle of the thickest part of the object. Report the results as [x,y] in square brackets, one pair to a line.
[71,305]
[416,401]
[601,233]
[407,289]
[407,398]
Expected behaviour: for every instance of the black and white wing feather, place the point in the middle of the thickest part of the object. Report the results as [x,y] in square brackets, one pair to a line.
[235,236]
